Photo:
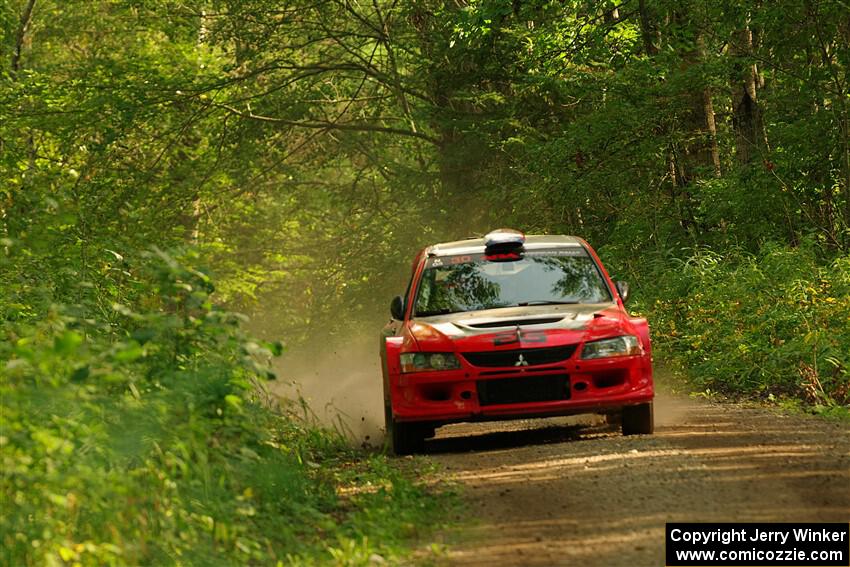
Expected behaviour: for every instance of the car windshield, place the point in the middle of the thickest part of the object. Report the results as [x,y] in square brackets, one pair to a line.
[471,283]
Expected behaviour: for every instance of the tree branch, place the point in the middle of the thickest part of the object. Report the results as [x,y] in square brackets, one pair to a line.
[327,125]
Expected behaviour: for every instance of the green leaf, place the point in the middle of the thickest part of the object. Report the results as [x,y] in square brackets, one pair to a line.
[128,352]
[81,373]
[274,347]
[67,342]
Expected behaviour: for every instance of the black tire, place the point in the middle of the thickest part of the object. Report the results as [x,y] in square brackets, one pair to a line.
[404,438]
[638,420]
[407,438]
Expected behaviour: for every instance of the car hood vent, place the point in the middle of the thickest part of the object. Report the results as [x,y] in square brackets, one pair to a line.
[513,322]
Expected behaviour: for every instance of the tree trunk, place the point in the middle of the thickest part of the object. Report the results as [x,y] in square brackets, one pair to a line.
[711,128]
[845,140]
[649,28]
[651,21]
[7,206]
[700,150]
[26,18]
[747,121]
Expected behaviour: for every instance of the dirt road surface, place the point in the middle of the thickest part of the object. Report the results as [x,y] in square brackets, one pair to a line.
[557,492]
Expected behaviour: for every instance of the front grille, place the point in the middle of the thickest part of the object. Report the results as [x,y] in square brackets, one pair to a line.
[547,388]
[531,356]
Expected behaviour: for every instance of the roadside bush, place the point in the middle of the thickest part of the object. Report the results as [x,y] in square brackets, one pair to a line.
[147,439]
[775,324]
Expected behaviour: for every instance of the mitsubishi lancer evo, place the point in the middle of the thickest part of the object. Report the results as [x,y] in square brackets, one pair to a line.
[511,326]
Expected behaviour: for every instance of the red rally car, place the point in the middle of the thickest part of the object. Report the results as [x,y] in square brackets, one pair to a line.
[511,326]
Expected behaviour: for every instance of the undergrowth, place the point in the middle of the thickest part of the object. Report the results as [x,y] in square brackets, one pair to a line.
[773,326]
[145,438]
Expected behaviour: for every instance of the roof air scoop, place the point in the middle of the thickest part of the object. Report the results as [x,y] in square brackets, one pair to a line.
[504,244]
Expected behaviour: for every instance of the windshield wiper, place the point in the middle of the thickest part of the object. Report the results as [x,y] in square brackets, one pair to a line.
[436,312]
[545,302]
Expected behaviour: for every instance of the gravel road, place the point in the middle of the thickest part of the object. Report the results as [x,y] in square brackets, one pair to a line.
[562,491]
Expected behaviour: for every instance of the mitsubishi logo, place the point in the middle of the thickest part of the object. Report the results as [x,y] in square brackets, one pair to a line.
[521,361]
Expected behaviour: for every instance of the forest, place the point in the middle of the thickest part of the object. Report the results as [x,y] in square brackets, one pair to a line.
[190,187]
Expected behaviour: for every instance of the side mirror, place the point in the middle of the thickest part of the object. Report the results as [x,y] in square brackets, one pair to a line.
[623,290]
[397,308]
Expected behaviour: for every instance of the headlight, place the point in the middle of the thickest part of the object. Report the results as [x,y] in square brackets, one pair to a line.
[626,345]
[422,361]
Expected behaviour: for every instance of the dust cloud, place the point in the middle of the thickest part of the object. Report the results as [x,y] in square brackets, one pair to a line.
[341,384]
[671,410]
[671,406]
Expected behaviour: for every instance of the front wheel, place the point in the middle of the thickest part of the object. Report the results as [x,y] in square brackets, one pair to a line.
[638,420]
[404,438]
[407,438]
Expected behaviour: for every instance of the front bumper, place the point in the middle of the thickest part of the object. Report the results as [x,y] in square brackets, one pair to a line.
[589,386]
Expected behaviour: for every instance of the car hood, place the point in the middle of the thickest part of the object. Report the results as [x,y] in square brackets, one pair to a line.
[516,327]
